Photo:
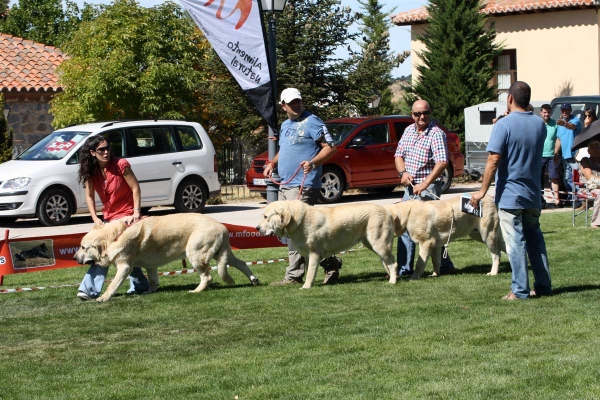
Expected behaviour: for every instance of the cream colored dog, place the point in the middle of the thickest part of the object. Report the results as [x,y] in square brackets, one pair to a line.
[155,241]
[428,224]
[320,232]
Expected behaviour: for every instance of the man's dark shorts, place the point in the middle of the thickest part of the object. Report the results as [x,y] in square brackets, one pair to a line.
[552,167]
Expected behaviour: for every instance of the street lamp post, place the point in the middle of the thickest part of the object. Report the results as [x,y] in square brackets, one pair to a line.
[272,6]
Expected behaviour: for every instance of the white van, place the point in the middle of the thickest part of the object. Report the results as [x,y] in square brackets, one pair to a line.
[174,161]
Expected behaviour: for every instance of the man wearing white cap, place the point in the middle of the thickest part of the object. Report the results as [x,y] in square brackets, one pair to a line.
[303,142]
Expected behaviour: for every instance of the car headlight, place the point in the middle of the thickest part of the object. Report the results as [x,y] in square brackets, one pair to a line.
[15,184]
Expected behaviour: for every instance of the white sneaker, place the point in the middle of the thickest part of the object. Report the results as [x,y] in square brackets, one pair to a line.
[83,296]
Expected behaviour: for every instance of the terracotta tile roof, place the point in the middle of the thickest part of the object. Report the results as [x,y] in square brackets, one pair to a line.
[27,65]
[499,7]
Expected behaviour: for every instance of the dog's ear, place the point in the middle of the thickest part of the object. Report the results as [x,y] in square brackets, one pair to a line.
[296,212]
[284,212]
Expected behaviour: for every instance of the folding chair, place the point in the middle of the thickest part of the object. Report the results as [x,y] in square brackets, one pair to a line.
[584,195]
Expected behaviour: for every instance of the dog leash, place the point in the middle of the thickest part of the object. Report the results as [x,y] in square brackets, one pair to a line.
[289,180]
[445,253]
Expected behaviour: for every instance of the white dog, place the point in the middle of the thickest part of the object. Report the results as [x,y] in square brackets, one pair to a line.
[319,232]
[155,241]
[428,223]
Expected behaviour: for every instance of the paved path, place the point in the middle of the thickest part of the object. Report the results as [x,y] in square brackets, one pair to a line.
[245,214]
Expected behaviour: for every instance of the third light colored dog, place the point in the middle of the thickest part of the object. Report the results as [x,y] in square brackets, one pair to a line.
[429,223]
[320,232]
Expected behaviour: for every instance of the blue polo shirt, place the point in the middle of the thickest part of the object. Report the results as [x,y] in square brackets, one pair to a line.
[566,137]
[298,142]
[519,139]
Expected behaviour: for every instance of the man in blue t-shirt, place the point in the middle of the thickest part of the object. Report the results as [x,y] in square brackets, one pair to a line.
[516,148]
[304,146]
[568,127]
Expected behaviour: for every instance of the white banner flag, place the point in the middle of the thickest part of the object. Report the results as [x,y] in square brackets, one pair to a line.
[235,31]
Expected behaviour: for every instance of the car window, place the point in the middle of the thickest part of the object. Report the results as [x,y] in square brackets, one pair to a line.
[147,141]
[375,134]
[399,127]
[340,131]
[115,139]
[189,138]
[55,146]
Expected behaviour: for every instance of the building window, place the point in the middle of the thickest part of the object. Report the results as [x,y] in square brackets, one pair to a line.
[506,73]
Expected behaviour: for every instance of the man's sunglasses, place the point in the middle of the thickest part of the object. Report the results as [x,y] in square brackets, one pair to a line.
[419,113]
[102,149]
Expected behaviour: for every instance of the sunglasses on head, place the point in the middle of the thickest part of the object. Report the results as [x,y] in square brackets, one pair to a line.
[102,149]
[419,113]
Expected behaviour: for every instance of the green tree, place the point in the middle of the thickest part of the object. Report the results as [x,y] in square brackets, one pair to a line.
[457,63]
[46,21]
[3,9]
[6,145]
[132,62]
[371,75]
[308,34]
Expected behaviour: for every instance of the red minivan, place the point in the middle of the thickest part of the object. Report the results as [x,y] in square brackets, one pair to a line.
[365,157]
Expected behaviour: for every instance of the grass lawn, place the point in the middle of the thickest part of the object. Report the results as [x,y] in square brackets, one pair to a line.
[450,337]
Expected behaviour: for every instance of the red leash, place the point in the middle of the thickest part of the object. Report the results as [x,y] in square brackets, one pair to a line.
[289,180]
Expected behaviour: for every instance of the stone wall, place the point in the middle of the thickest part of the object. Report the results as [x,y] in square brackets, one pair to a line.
[28,118]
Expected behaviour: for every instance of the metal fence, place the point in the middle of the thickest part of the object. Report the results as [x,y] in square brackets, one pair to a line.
[233,160]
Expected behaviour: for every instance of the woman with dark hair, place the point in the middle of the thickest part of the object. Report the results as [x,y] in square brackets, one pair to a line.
[119,192]
[589,117]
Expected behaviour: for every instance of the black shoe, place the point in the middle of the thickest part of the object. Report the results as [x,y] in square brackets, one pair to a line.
[332,266]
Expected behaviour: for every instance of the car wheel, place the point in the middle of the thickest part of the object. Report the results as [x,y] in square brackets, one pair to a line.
[54,208]
[475,175]
[332,183]
[7,220]
[190,196]
[447,179]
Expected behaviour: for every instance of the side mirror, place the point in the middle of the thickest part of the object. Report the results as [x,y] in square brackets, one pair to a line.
[358,141]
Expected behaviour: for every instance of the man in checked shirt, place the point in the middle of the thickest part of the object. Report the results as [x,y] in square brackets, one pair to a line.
[421,158]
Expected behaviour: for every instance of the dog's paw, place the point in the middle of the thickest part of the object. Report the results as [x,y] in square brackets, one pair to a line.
[254,280]
[492,274]
[102,299]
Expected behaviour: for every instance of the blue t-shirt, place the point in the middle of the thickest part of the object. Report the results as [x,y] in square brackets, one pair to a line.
[566,137]
[519,139]
[298,142]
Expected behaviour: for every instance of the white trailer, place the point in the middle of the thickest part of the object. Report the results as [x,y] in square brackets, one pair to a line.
[478,129]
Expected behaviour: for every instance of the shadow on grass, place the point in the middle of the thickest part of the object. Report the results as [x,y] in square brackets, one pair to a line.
[574,289]
[212,286]
[482,269]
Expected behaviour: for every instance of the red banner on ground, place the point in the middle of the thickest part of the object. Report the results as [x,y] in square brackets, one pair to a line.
[42,253]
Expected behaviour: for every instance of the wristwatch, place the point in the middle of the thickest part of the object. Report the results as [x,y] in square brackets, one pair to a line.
[313,165]
[401,173]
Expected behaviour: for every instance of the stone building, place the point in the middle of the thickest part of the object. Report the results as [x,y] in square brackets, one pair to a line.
[28,81]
